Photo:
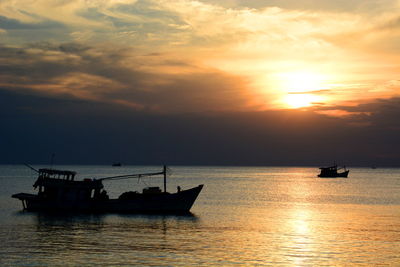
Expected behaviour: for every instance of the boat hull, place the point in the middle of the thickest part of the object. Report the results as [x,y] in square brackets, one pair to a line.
[180,202]
[337,175]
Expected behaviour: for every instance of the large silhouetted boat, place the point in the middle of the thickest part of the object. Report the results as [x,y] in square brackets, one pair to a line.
[332,172]
[59,191]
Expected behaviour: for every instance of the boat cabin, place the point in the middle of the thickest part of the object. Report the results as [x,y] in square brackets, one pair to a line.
[60,185]
[328,170]
[57,174]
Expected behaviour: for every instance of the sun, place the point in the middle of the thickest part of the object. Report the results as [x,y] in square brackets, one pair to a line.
[302,81]
[300,100]
[300,89]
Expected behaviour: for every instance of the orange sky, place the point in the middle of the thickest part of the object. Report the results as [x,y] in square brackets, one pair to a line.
[196,56]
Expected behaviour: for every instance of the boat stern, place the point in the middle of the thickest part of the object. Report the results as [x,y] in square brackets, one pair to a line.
[25,198]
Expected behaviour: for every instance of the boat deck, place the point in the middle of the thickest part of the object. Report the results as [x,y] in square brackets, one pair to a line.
[24,196]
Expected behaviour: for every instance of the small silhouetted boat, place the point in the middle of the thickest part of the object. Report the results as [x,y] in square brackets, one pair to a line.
[59,191]
[332,172]
[116,164]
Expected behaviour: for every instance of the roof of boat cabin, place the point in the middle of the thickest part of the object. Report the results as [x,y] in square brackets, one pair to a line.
[57,172]
[327,168]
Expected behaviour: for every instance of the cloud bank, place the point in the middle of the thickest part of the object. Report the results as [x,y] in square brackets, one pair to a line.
[116,76]
[82,133]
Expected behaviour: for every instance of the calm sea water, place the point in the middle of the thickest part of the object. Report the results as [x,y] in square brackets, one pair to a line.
[244,216]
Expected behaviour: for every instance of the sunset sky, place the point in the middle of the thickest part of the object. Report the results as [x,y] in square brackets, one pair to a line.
[238,69]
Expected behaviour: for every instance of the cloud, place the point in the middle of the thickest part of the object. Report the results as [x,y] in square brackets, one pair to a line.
[154,81]
[322,91]
[380,114]
[159,22]
[14,24]
[354,43]
[312,5]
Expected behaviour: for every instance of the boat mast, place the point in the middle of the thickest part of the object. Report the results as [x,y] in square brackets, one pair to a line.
[165,178]
[30,167]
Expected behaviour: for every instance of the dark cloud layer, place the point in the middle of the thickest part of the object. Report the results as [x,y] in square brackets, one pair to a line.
[81,132]
[119,76]
[13,24]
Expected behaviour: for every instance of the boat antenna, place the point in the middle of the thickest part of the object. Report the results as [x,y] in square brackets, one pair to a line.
[165,178]
[30,167]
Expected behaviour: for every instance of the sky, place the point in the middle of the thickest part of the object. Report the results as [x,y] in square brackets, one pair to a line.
[228,82]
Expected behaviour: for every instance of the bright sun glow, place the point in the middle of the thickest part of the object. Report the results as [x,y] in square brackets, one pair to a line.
[302,81]
[300,100]
[300,88]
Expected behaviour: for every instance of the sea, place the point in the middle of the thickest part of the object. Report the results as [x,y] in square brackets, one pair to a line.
[245,216]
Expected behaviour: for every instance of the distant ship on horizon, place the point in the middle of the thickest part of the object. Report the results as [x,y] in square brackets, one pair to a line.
[332,172]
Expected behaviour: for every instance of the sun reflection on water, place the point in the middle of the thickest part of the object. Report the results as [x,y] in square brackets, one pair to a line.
[299,229]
